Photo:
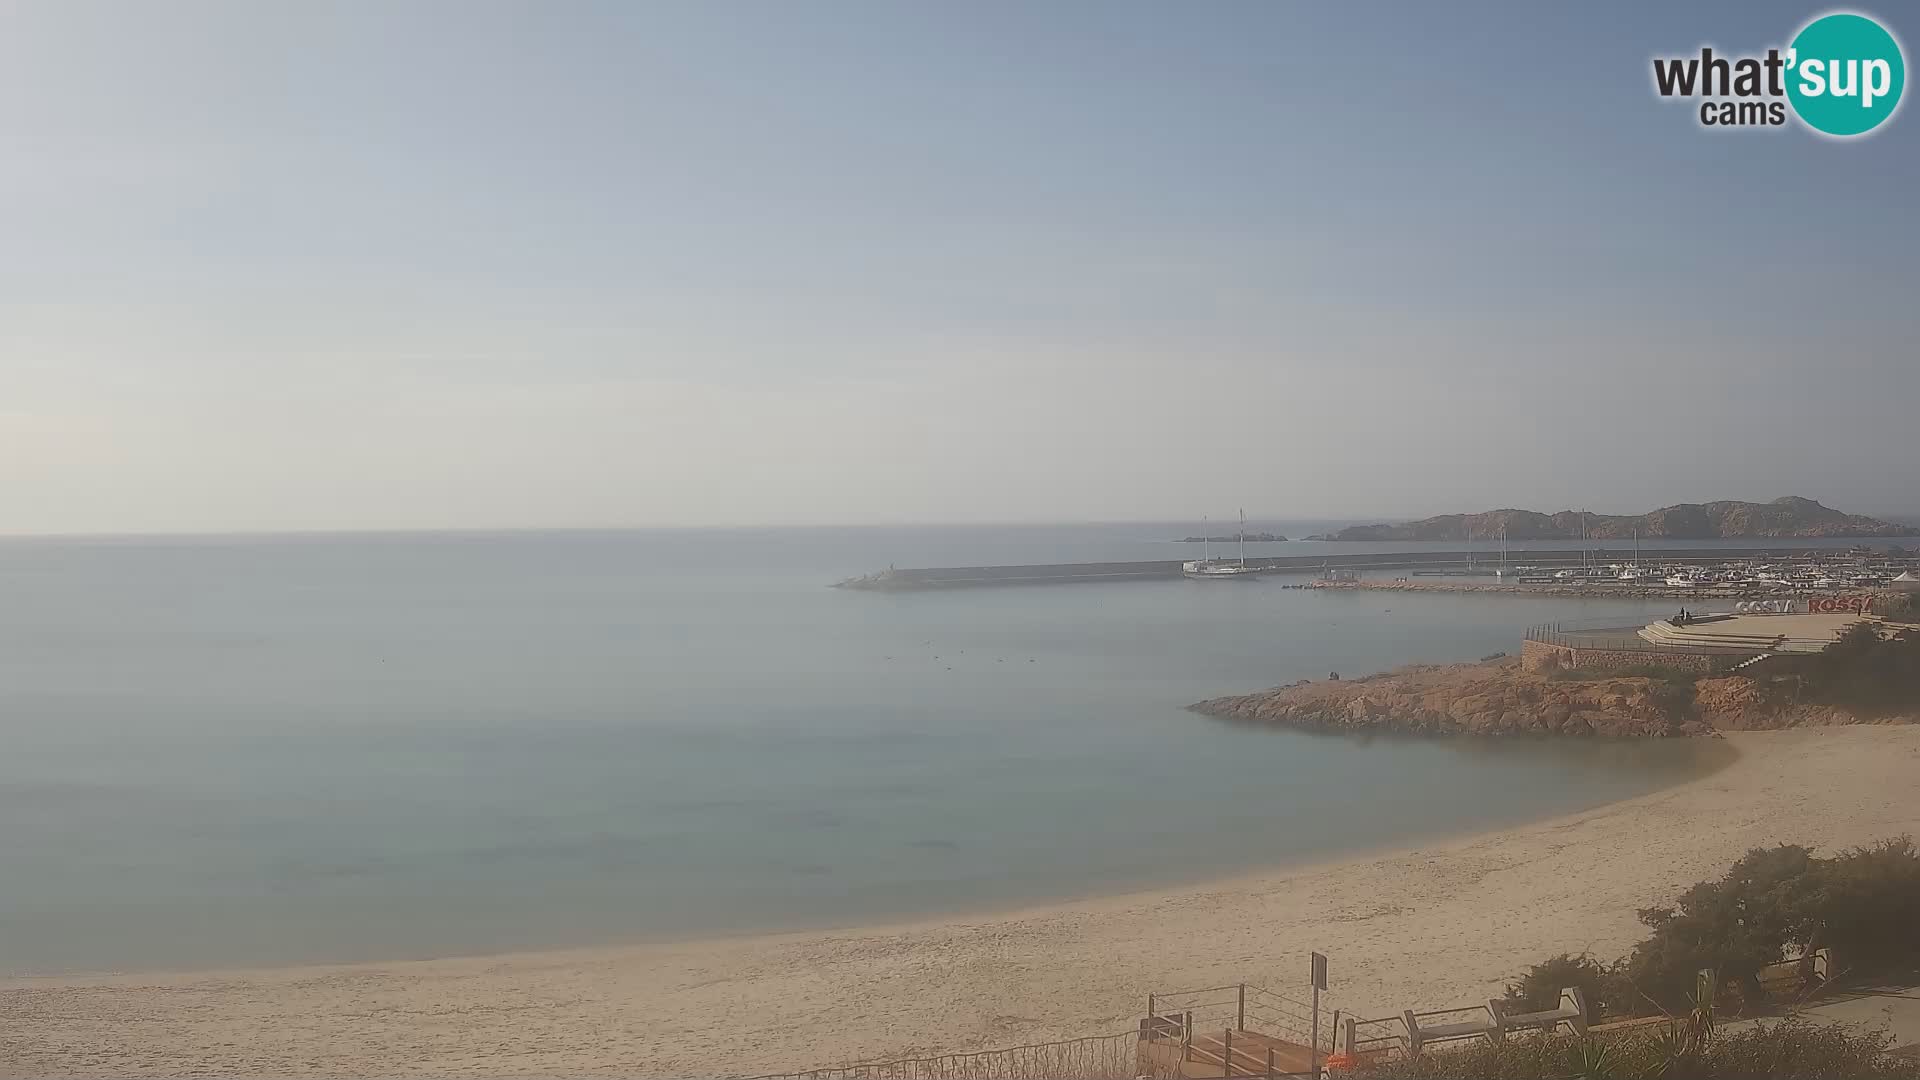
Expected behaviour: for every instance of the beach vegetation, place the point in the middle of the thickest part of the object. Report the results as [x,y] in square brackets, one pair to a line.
[1790,1049]
[1774,903]
[1866,671]
[1538,988]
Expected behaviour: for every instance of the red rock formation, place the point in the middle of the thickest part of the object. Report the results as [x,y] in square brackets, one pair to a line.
[1489,698]
[1497,697]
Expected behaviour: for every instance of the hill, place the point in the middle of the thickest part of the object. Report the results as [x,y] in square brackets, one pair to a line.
[1791,516]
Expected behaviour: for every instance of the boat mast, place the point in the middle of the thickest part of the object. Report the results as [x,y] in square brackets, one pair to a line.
[1206,542]
[1243,536]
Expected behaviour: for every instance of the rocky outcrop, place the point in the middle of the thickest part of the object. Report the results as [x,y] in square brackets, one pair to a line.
[1788,517]
[1489,698]
[1498,697]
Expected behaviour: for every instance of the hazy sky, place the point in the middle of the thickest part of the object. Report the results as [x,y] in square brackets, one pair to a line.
[379,265]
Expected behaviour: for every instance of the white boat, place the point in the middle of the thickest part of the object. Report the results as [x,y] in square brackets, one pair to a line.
[1688,580]
[1634,573]
[1211,569]
[1207,568]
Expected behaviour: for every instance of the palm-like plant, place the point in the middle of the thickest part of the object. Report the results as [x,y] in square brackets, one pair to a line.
[1700,1016]
[1675,1051]
[1589,1061]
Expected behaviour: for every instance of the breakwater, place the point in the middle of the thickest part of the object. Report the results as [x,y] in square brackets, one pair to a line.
[1355,562]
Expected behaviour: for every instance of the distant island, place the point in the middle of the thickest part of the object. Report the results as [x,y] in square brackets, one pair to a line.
[1788,517]
[1254,537]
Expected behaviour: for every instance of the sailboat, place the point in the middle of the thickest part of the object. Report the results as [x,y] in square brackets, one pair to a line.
[1632,571]
[1209,568]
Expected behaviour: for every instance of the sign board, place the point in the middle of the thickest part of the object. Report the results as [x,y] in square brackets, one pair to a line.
[1857,603]
[1319,972]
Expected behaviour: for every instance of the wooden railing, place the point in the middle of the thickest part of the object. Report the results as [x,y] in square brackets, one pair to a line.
[1243,1007]
[1101,1057]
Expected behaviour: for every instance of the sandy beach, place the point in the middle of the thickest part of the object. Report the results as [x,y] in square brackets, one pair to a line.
[1439,925]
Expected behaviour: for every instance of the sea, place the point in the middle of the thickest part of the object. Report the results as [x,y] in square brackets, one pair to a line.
[231,751]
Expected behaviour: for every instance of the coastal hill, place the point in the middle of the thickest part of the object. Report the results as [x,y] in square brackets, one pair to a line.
[1791,516]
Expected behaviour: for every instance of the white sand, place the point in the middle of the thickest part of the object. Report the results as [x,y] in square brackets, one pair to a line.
[1442,925]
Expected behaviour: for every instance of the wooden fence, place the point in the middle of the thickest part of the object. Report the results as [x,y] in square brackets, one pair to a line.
[1100,1057]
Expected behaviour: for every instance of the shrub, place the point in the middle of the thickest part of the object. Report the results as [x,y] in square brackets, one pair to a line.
[1539,988]
[1863,904]
[1789,1050]
[1868,906]
[1736,925]
[1862,671]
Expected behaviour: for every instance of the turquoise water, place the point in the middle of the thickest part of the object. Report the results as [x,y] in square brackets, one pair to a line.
[256,751]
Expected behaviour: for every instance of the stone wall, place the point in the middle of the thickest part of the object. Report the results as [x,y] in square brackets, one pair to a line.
[1539,656]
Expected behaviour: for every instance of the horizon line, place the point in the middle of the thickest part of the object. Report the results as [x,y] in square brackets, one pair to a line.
[1911,517]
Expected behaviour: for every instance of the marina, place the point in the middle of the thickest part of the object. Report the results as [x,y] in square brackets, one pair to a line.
[1721,571]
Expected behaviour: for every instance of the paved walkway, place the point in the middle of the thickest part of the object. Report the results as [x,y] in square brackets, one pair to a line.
[1894,1008]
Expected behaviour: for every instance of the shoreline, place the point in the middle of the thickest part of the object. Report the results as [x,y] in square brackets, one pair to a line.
[1432,925]
[983,911]
[903,924]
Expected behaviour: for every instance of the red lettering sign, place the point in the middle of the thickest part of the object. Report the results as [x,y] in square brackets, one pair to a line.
[1857,603]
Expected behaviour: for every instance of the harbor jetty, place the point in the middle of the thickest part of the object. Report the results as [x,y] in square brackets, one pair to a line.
[1357,568]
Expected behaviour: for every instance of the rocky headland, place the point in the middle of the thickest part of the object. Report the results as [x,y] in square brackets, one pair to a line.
[1497,697]
[1728,519]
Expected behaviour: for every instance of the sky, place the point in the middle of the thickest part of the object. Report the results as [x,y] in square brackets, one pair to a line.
[364,265]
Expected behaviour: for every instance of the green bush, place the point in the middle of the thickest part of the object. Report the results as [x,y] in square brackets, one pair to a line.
[1539,988]
[1736,925]
[1867,907]
[1864,671]
[1864,904]
[1788,1050]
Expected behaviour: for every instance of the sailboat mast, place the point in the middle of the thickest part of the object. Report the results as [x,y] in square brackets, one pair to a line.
[1243,536]
[1206,542]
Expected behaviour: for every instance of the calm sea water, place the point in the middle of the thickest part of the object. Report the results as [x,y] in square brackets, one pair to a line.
[236,751]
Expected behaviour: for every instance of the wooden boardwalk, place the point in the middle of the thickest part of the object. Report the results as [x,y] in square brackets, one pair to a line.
[1226,1053]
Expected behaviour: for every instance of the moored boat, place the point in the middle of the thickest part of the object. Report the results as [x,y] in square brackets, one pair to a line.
[1207,568]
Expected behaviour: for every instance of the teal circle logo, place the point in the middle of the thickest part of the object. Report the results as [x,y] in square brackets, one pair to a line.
[1845,74]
